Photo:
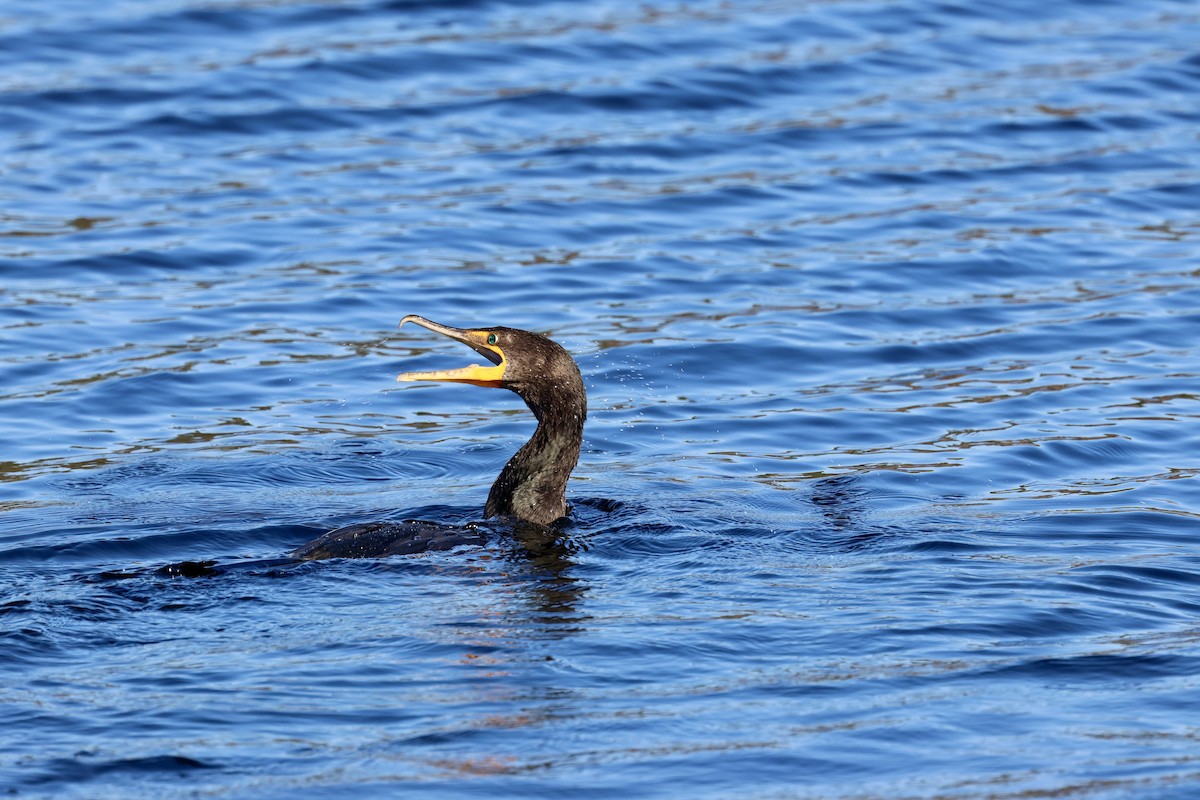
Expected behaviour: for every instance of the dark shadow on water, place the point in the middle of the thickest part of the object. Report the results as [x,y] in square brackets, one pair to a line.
[844,501]
[70,771]
[840,498]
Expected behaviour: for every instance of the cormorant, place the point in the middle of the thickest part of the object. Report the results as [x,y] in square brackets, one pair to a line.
[532,486]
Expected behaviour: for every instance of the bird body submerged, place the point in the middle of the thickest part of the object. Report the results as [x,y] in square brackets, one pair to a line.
[532,486]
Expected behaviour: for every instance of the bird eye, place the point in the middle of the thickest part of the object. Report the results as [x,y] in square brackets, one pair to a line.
[491,338]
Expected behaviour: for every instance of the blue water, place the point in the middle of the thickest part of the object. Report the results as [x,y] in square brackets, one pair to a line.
[889,314]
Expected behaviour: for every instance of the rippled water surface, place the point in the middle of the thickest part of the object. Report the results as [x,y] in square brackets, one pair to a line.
[889,314]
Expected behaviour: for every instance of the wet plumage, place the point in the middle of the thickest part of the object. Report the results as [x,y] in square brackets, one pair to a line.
[532,486]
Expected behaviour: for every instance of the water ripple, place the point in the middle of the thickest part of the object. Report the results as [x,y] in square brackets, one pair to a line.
[887,318]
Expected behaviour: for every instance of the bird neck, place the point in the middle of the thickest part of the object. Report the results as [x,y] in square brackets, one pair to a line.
[533,484]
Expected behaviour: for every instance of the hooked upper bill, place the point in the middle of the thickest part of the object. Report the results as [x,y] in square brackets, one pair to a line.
[483,342]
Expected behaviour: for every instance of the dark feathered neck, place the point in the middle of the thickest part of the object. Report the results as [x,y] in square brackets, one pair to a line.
[533,484]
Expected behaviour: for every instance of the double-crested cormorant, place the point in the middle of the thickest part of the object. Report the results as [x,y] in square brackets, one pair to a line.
[532,486]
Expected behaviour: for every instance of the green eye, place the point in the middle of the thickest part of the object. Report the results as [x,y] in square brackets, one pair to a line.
[491,338]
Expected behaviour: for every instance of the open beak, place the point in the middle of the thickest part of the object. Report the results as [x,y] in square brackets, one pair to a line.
[476,374]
